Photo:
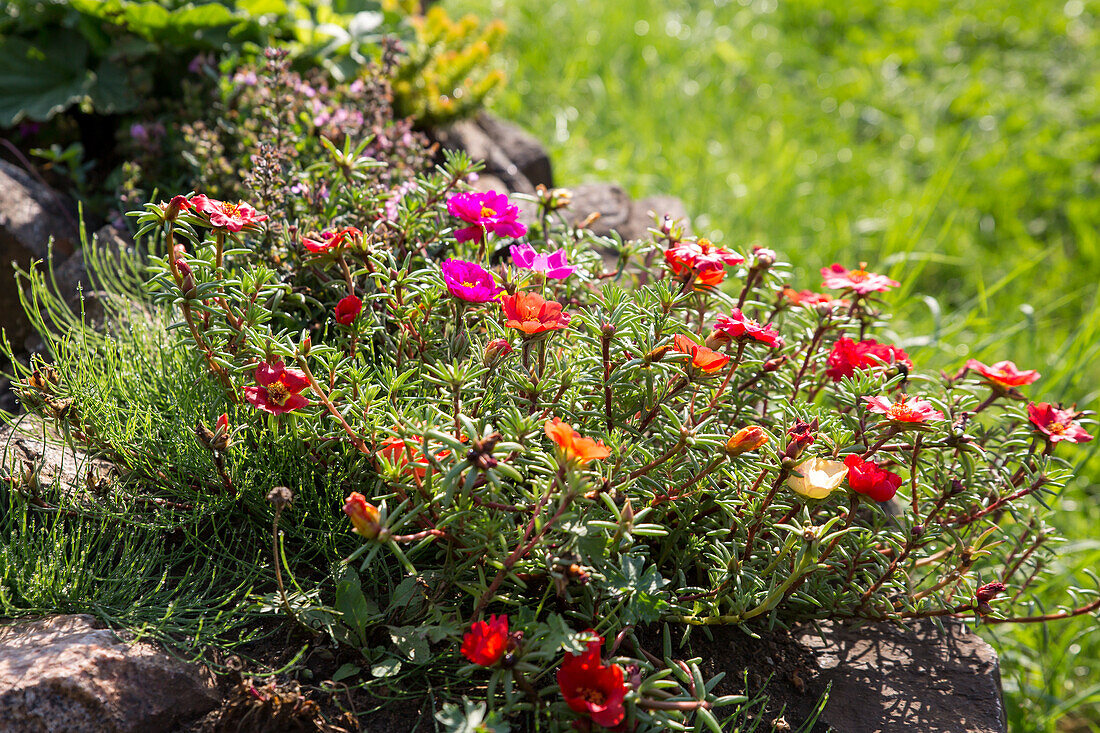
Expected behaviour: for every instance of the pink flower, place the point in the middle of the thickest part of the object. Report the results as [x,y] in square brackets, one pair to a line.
[347,310]
[469,281]
[226,215]
[278,388]
[736,327]
[847,356]
[1057,424]
[553,265]
[860,280]
[908,410]
[485,212]
[1004,373]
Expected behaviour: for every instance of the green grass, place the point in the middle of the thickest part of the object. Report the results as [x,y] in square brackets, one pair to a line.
[953,145]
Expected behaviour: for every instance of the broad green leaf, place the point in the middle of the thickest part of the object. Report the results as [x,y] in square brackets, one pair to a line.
[36,82]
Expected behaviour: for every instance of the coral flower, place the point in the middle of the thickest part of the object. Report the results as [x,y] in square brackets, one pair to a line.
[593,688]
[225,215]
[530,313]
[552,265]
[469,281]
[576,448]
[908,410]
[861,281]
[808,298]
[704,359]
[736,326]
[703,259]
[816,478]
[331,240]
[486,641]
[847,356]
[745,440]
[485,212]
[1004,373]
[348,309]
[364,516]
[867,477]
[278,388]
[397,451]
[1057,424]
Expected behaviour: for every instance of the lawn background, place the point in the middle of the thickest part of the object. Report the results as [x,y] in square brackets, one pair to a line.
[955,146]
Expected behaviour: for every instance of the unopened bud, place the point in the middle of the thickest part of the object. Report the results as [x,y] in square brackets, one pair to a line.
[746,439]
[989,591]
[657,354]
[717,340]
[364,516]
[824,309]
[187,278]
[772,365]
[305,345]
[608,329]
[175,206]
[494,350]
[764,257]
[917,530]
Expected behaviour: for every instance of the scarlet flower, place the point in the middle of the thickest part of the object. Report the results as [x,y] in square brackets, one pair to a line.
[396,451]
[485,212]
[331,239]
[364,516]
[861,281]
[486,642]
[531,314]
[469,281]
[348,309]
[225,215]
[703,259]
[278,388]
[576,448]
[736,326]
[705,360]
[1057,424]
[908,410]
[867,477]
[847,356]
[746,439]
[593,688]
[1004,373]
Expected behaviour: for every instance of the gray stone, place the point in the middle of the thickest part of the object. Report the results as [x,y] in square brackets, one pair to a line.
[39,459]
[520,147]
[885,678]
[467,135]
[65,675]
[617,212]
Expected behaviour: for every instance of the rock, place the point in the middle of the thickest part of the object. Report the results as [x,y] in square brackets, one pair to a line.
[520,147]
[886,678]
[63,674]
[31,454]
[467,135]
[617,212]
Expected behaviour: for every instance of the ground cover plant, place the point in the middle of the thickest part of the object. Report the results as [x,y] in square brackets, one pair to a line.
[549,449]
[953,145]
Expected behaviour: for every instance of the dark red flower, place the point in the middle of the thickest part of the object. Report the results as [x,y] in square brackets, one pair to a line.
[867,477]
[847,356]
[1057,424]
[278,388]
[592,688]
[347,310]
[486,642]
[736,326]
[989,591]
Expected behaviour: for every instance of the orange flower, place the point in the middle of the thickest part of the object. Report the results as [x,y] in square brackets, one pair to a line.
[530,313]
[705,360]
[573,445]
[364,515]
[745,440]
[397,451]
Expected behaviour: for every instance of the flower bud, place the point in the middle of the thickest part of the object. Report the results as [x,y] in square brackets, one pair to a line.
[802,436]
[364,516]
[494,350]
[746,439]
[772,365]
[764,257]
[305,345]
[717,340]
[175,206]
[917,530]
[824,309]
[657,354]
[608,329]
[187,278]
[220,441]
[989,591]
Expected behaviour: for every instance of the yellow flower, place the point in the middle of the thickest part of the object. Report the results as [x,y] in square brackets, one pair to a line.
[817,477]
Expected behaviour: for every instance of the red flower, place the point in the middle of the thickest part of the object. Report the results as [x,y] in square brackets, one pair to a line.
[486,642]
[531,314]
[908,410]
[705,360]
[398,451]
[847,356]
[225,215]
[809,298]
[331,239]
[592,688]
[347,310]
[867,477]
[1057,424]
[364,516]
[1004,373]
[703,259]
[860,280]
[735,327]
[278,388]
[575,447]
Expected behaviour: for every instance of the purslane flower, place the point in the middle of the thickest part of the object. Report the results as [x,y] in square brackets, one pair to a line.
[225,215]
[746,439]
[348,309]
[485,212]
[552,265]
[486,641]
[810,299]
[860,281]
[908,410]
[531,314]
[703,259]
[331,240]
[593,688]
[364,516]
[573,445]
[736,326]
[1057,424]
[397,452]
[847,356]
[703,359]
[1004,373]
[816,478]
[867,477]
[469,281]
[277,388]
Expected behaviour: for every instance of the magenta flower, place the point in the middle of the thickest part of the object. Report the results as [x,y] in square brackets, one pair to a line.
[469,281]
[485,212]
[552,265]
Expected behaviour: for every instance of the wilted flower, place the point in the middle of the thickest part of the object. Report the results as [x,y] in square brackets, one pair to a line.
[746,439]
[736,326]
[469,281]
[1057,424]
[364,515]
[552,265]
[225,215]
[331,240]
[987,593]
[867,477]
[1004,374]
[278,388]
[703,359]
[486,641]
[802,435]
[847,356]
[573,446]
[816,478]
[860,280]
[908,410]
[531,314]
[347,310]
[486,212]
[592,688]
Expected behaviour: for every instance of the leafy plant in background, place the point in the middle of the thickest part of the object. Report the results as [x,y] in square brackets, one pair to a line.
[547,463]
